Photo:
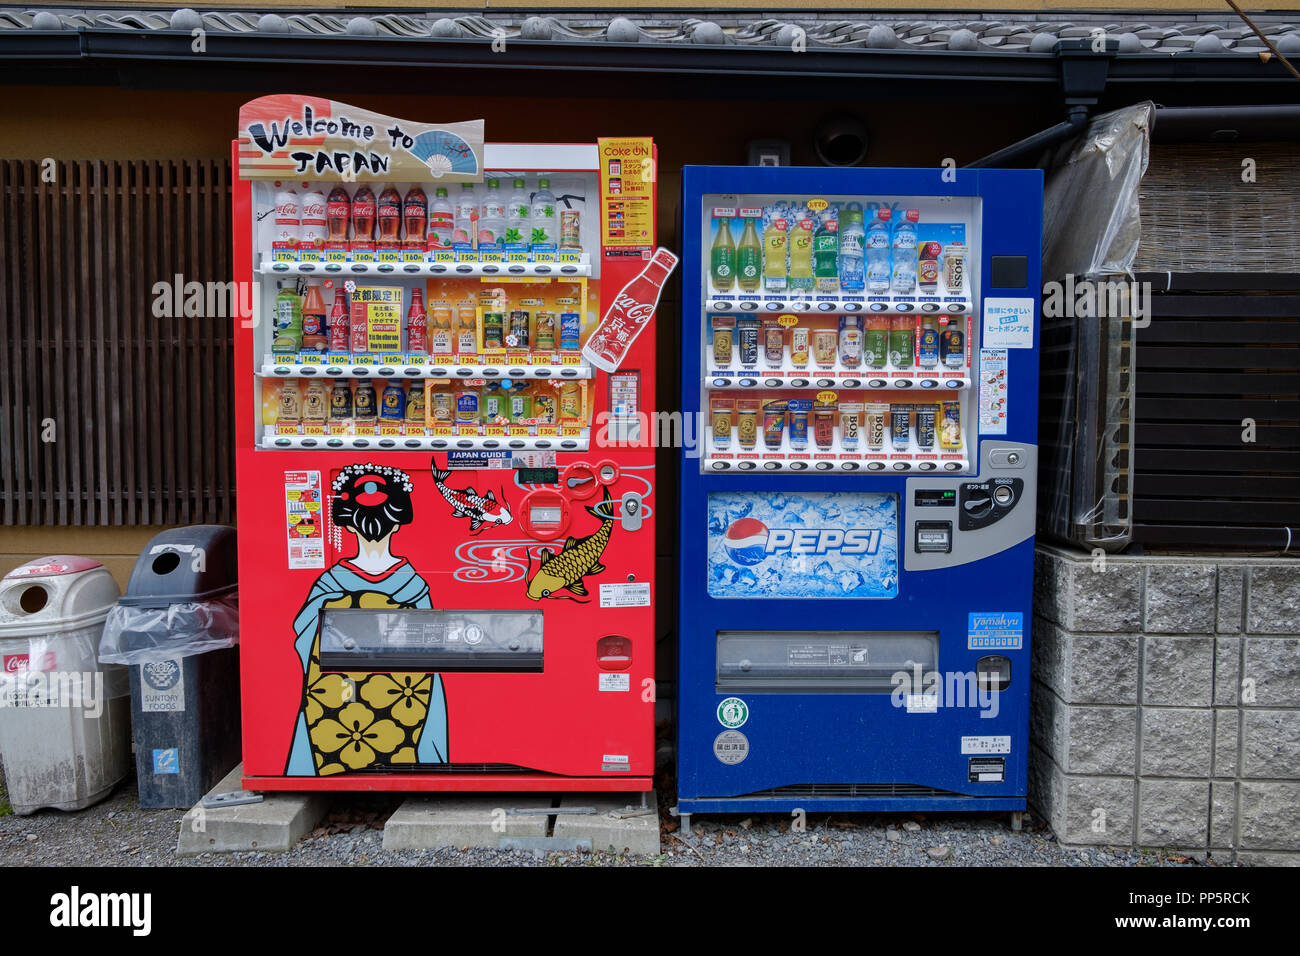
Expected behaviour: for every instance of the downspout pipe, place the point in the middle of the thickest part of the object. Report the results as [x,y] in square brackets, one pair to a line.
[1084,64]
[1011,156]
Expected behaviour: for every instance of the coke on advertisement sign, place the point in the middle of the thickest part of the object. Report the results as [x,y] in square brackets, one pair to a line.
[629,313]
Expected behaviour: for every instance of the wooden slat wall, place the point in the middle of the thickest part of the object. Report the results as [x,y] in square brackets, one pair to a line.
[141,404]
[1206,362]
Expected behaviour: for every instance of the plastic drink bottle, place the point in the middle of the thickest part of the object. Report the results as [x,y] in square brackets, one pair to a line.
[287,334]
[492,224]
[904,254]
[311,233]
[494,203]
[363,217]
[851,243]
[877,243]
[314,338]
[287,220]
[441,221]
[775,247]
[466,215]
[388,213]
[801,255]
[415,215]
[543,215]
[338,209]
[629,314]
[722,258]
[519,215]
[749,259]
[826,255]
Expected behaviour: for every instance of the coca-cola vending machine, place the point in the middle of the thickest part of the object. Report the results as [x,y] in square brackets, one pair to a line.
[446,485]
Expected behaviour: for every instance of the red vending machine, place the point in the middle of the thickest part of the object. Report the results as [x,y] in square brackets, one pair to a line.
[446,503]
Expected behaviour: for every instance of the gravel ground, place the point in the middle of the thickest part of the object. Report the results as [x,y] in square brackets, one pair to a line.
[116,832]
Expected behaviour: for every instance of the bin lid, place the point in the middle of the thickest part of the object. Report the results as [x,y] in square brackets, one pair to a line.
[55,594]
[53,565]
[182,565]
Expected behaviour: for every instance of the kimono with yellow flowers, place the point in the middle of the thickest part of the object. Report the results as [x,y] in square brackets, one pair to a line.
[364,720]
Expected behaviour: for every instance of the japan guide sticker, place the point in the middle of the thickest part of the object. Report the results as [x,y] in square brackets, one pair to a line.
[304,518]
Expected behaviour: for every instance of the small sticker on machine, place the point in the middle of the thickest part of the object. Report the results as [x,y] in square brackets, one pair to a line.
[986,745]
[999,630]
[615,682]
[1008,323]
[636,594]
[987,769]
[921,703]
[993,391]
[615,762]
[731,747]
[478,459]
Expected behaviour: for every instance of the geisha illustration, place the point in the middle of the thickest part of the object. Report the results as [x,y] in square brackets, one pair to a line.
[361,720]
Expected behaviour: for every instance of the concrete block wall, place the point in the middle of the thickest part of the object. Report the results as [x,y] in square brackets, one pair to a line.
[1165,706]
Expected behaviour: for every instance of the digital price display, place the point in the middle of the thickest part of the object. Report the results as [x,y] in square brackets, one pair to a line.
[935,498]
[538,476]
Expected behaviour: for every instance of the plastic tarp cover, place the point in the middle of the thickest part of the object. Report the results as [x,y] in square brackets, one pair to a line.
[147,635]
[1091,229]
[59,670]
[1091,224]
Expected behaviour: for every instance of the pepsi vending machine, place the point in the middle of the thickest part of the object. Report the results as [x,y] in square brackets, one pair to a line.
[857,519]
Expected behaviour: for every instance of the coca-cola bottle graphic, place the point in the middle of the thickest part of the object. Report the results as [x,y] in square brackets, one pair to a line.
[629,313]
[363,218]
[415,213]
[338,210]
[389,213]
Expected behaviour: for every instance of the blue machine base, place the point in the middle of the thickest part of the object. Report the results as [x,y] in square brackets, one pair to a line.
[955,803]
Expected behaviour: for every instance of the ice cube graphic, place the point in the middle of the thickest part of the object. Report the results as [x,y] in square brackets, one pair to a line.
[850,581]
[739,508]
[744,579]
[824,570]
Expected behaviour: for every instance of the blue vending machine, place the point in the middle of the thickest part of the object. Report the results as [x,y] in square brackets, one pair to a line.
[857,519]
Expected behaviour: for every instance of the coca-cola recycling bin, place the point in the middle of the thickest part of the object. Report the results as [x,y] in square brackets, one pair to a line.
[64,718]
[177,628]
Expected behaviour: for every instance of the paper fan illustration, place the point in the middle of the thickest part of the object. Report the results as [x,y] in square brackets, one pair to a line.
[444,153]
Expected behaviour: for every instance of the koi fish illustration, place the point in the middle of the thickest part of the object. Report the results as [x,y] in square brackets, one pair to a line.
[578,558]
[466,503]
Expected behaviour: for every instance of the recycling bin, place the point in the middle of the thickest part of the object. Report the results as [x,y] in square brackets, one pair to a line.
[177,628]
[65,737]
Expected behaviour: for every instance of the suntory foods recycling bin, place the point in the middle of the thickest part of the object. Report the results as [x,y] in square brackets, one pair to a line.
[64,719]
[177,627]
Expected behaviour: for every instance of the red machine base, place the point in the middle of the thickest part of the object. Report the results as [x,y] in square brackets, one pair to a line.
[499,783]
